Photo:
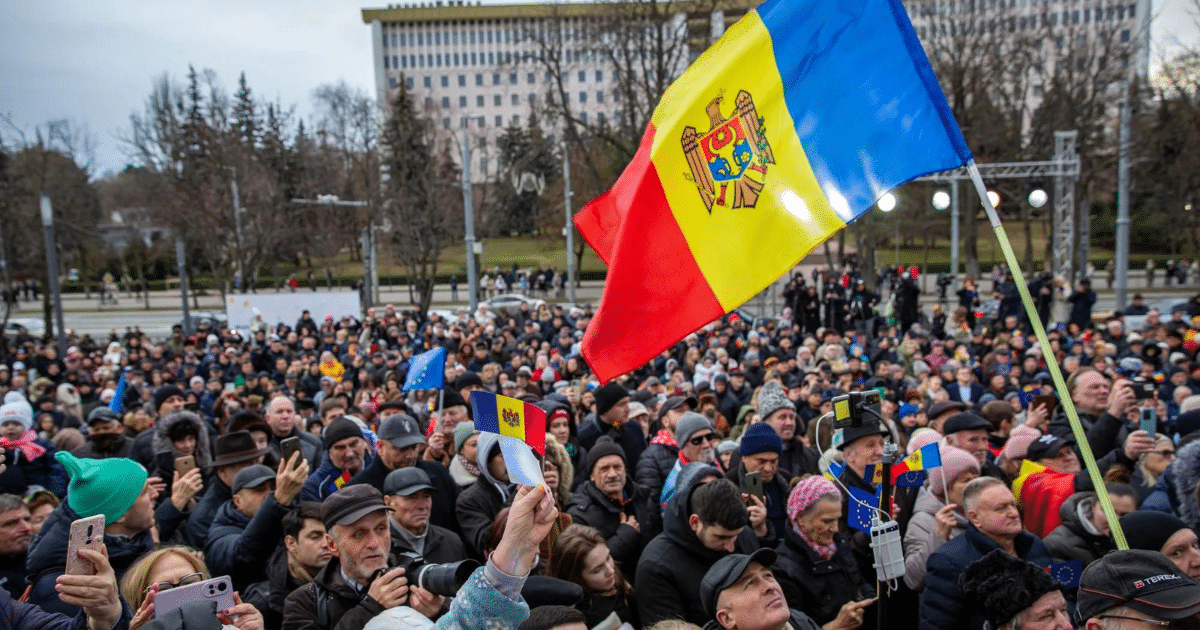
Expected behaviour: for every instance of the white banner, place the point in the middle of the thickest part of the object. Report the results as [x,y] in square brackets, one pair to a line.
[287,307]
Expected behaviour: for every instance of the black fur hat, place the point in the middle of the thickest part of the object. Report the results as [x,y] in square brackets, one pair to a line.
[1001,586]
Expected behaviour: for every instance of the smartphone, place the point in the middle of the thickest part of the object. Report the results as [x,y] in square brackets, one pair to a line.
[86,533]
[218,589]
[752,484]
[184,465]
[1048,400]
[289,446]
[1149,420]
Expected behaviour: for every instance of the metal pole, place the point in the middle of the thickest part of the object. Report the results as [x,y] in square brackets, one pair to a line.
[181,263]
[374,239]
[8,287]
[569,229]
[469,220]
[1123,201]
[954,229]
[897,241]
[367,292]
[237,224]
[52,275]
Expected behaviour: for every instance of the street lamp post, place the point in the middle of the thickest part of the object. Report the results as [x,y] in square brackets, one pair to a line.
[1122,253]
[52,275]
[469,220]
[237,225]
[569,230]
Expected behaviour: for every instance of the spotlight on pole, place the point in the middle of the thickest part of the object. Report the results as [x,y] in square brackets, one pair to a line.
[941,200]
[994,198]
[1038,198]
[887,202]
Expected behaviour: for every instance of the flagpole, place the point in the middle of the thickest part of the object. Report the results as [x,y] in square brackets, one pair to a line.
[1060,384]
[942,471]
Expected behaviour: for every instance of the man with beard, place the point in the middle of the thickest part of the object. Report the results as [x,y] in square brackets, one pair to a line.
[697,443]
[105,436]
[15,534]
[346,453]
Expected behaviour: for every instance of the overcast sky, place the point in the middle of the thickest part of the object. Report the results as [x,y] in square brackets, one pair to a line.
[93,62]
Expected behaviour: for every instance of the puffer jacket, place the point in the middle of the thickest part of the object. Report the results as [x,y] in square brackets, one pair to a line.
[819,587]
[943,607]
[922,539]
[165,453]
[21,473]
[674,563]
[656,461]
[1077,538]
[20,616]
[478,505]
[48,555]
[1186,477]
[240,546]
[205,511]
[591,507]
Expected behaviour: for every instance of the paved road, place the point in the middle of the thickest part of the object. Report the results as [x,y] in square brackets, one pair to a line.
[86,316]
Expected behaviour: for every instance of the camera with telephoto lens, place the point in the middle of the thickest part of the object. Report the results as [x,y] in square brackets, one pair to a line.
[439,579]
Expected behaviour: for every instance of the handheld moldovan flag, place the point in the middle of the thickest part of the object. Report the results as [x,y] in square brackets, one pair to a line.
[118,400]
[427,370]
[521,427]
[909,473]
[791,126]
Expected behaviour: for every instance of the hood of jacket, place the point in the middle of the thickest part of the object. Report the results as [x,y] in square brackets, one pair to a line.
[1072,512]
[48,550]
[162,441]
[1187,475]
[675,519]
[484,446]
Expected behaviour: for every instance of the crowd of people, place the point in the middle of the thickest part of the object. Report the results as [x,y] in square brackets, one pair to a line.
[708,488]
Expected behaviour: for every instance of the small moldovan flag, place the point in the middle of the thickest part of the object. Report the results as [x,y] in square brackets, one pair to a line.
[427,370]
[791,126]
[1067,573]
[521,427]
[119,396]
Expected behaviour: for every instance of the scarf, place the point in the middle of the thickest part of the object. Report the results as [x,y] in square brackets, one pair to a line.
[824,551]
[468,466]
[665,438]
[26,443]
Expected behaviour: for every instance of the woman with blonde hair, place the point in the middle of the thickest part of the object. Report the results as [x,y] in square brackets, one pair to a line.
[581,556]
[172,567]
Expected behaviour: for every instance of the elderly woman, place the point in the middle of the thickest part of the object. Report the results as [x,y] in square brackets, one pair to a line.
[816,568]
[1150,466]
[938,515]
[172,567]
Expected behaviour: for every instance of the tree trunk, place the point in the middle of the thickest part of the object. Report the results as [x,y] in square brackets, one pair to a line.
[1027,221]
[970,232]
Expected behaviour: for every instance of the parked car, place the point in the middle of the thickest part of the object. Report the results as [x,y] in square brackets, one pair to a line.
[204,321]
[513,301]
[29,325]
[1165,307]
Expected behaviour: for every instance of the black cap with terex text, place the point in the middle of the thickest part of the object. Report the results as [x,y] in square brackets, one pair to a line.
[1145,581]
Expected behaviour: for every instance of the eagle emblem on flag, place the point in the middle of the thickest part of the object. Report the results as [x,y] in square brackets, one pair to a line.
[728,163]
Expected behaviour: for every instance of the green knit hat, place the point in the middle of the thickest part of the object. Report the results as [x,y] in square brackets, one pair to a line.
[102,486]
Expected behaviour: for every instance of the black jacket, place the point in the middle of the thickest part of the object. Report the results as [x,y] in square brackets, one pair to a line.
[628,435]
[281,585]
[1072,540]
[816,586]
[240,546]
[205,511]
[591,507]
[674,563]
[654,466]
[120,448]
[445,491]
[479,504]
[441,545]
[310,445]
[943,607]
[344,608]
[48,556]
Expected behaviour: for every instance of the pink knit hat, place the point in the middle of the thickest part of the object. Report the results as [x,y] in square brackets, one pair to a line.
[922,437]
[807,492]
[955,462]
[1019,440]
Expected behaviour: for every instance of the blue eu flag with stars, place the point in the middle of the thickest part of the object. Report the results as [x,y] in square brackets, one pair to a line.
[861,509]
[1067,573]
[427,370]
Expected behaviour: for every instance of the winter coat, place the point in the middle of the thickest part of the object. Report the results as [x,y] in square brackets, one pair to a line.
[655,464]
[943,607]
[281,584]
[441,545]
[165,453]
[1186,469]
[628,436]
[344,608]
[775,495]
[922,539]
[240,546]
[478,505]
[674,562]
[120,448]
[1076,538]
[593,508]
[48,557]
[15,615]
[320,483]
[445,492]
[205,511]
[310,446]
[45,471]
[819,587]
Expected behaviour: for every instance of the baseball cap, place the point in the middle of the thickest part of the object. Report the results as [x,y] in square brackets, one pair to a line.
[252,477]
[406,481]
[1145,581]
[726,572]
[349,504]
[401,430]
[1046,446]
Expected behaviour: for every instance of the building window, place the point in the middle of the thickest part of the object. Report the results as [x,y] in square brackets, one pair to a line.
[1125,36]
[428,103]
[599,96]
[1132,11]
[482,122]
[445,80]
[496,100]
[455,60]
[532,99]
[473,59]
[386,62]
[462,101]
[438,57]
[403,61]
[483,164]
[512,78]
[408,82]
[445,102]
[583,117]
[499,121]
[600,117]
[437,38]
[471,36]
[599,76]
[491,59]
[428,81]
[516,120]
[429,60]
[583,76]
[516,100]
[392,82]
[462,80]
[403,39]
[582,98]
[420,39]
[489,36]
[478,79]
[616,96]
[529,78]
[495,78]
[479,100]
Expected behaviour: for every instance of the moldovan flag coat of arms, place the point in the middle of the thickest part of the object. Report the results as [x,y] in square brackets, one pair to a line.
[791,126]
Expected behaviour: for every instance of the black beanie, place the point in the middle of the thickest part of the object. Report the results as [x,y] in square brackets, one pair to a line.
[608,396]
[1000,586]
[602,448]
[163,393]
[1187,422]
[451,398]
[339,430]
[1149,530]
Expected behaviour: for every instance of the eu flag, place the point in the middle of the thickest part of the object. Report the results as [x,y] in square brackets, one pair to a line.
[119,396]
[427,370]
[1067,573]
[861,509]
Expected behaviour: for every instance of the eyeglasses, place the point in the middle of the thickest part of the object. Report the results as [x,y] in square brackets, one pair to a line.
[190,578]
[700,439]
[1167,452]
[1190,623]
